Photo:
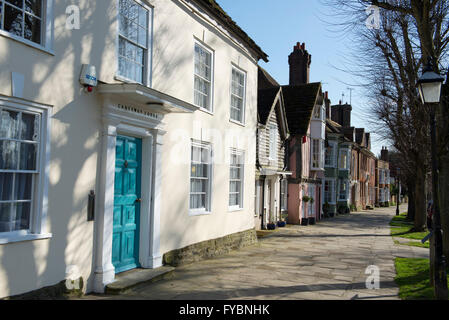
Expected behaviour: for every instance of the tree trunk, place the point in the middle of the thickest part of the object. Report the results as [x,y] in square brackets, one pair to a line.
[432,260]
[411,202]
[420,200]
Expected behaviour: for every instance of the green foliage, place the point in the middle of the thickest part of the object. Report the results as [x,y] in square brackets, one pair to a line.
[403,228]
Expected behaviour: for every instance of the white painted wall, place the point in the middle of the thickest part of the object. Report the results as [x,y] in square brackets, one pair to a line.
[52,78]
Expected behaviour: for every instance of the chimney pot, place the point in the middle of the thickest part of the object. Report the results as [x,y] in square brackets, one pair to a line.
[299,61]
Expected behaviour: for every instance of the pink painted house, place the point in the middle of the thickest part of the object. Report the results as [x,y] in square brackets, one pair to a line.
[304,146]
[305,109]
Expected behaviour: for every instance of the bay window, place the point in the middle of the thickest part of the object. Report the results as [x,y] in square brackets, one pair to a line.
[344,191]
[317,156]
[344,159]
[330,155]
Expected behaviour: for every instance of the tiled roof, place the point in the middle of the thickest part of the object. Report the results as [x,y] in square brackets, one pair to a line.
[265,101]
[333,126]
[214,8]
[265,80]
[299,103]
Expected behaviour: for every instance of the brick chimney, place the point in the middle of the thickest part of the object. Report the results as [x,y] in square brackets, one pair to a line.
[327,103]
[341,114]
[299,61]
[384,154]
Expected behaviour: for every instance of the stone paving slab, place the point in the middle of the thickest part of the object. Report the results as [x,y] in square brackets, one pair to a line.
[326,261]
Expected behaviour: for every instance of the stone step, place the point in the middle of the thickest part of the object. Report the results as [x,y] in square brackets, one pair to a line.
[132,278]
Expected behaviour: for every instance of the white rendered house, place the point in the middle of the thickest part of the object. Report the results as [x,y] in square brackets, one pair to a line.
[163,143]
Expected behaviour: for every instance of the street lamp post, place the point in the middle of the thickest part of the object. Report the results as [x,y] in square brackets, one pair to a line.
[398,195]
[429,86]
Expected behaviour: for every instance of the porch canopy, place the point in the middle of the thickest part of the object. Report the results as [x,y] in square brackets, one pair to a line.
[151,100]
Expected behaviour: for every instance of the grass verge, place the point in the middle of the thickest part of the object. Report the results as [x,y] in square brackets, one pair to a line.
[413,279]
[402,228]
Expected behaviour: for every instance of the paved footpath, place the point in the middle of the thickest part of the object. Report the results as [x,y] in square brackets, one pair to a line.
[322,262]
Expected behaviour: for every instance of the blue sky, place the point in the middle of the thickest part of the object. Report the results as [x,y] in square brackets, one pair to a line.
[276,26]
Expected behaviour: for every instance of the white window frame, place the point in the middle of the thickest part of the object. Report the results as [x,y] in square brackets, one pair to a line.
[39,207]
[318,153]
[47,29]
[208,201]
[333,155]
[147,64]
[240,154]
[212,74]
[273,142]
[332,190]
[243,116]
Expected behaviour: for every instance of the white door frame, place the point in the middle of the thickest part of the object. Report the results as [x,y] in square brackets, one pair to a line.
[117,120]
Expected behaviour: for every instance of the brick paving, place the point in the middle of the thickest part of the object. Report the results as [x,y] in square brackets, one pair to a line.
[326,261]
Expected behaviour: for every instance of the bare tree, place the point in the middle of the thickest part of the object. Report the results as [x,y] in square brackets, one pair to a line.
[387,62]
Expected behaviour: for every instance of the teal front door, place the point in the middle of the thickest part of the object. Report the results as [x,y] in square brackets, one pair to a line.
[127,193]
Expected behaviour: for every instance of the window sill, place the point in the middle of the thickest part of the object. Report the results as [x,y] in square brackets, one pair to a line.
[237,123]
[205,111]
[14,237]
[26,42]
[126,80]
[235,209]
[194,213]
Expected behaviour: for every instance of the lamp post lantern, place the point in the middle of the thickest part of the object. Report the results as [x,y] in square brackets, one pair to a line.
[429,86]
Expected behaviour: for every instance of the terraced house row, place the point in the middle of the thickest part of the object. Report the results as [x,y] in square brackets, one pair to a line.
[140,133]
[328,165]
